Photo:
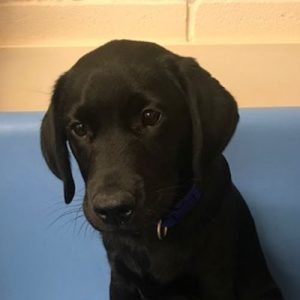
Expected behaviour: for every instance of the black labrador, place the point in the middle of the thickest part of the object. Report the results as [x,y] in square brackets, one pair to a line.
[147,128]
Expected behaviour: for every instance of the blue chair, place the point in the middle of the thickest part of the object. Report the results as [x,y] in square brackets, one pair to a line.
[49,252]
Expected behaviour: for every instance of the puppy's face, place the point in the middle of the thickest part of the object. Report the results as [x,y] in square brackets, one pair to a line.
[140,122]
[129,128]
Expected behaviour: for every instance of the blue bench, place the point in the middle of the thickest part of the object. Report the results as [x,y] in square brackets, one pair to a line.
[48,252]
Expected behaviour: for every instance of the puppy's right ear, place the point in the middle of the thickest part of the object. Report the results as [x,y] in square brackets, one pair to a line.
[53,144]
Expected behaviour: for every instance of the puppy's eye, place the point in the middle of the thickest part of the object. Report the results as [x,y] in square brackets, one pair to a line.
[150,117]
[79,129]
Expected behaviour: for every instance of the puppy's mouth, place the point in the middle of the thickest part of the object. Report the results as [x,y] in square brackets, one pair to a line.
[122,229]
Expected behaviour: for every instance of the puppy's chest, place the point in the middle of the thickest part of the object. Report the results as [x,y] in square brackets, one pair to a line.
[156,276]
[160,265]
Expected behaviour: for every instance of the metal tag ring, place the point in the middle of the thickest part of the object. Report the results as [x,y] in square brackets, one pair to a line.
[161,231]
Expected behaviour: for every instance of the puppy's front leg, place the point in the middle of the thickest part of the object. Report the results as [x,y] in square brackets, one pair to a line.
[121,290]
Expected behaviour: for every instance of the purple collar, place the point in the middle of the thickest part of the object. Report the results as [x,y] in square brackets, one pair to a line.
[179,211]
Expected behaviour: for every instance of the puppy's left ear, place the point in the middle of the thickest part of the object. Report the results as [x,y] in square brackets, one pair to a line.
[213,111]
[53,144]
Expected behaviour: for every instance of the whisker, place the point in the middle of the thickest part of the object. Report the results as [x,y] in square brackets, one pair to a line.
[57,209]
[66,213]
[75,220]
[70,221]
[86,228]
[78,216]
[82,226]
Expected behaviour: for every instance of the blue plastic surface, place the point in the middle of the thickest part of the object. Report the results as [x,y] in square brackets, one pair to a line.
[47,250]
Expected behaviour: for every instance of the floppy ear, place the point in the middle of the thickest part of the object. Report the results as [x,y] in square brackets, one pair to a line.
[53,144]
[213,112]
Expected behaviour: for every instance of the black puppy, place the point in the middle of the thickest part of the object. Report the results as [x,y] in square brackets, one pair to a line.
[147,128]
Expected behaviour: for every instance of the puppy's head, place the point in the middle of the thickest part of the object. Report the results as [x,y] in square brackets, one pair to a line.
[142,123]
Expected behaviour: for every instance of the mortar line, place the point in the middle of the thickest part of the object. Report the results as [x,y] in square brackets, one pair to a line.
[192,7]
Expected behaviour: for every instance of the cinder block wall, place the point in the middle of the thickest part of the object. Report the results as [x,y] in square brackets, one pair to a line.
[252,47]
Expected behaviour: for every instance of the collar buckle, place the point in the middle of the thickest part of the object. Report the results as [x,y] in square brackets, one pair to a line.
[181,209]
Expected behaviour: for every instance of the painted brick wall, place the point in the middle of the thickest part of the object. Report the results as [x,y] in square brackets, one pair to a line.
[87,22]
[253,47]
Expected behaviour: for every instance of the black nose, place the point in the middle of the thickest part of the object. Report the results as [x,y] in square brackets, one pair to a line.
[114,209]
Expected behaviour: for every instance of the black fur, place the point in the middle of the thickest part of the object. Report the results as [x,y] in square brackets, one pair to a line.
[214,252]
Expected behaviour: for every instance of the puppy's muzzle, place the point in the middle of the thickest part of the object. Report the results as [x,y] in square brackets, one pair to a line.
[114,209]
